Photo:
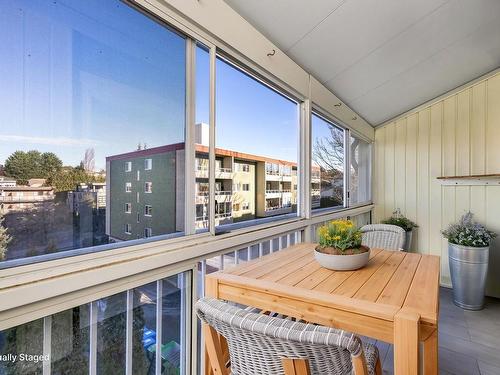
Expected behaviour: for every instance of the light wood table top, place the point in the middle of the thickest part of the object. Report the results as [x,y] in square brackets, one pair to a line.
[394,285]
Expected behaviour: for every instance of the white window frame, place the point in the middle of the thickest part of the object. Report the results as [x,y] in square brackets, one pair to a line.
[128,166]
[333,121]
[148,164]
[146,190]
[148,232]
[112,273]
[128,187]
[146,210]
[128,229]
[128,208]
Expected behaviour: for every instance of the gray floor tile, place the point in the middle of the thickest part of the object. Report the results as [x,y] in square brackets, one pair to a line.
[469,341]
[486,369]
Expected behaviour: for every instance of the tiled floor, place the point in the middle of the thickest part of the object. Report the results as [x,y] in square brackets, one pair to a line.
[469,341]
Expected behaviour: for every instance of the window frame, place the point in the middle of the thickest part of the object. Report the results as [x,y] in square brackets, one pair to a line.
[82,259]
[249,69]
[348,132]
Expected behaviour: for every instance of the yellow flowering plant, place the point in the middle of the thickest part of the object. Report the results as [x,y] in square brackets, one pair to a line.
[340,234]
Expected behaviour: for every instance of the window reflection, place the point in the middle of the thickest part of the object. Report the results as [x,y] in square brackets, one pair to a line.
[256,148]
[360,184]
[327,166]
[93,119]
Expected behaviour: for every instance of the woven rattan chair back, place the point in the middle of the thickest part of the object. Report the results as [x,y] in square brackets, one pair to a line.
[383,236]
[258,343]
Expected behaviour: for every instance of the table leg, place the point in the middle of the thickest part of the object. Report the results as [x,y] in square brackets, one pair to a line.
[406,326]
[431,354]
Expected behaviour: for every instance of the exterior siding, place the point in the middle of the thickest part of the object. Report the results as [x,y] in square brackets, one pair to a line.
[457,135]
[162,199]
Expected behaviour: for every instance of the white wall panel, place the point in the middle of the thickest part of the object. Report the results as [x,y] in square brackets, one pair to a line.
[457,135]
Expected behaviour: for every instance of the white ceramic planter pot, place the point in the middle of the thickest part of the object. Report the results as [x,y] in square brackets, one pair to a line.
[342,262]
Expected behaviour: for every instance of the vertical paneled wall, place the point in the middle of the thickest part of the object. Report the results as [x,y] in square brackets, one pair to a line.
[458,135]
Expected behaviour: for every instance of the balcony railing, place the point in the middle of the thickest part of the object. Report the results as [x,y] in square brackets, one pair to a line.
[27,199]
[162,293]
[223,192]
[278,191]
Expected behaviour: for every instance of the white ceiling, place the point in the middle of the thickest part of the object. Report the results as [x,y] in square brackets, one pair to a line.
[383,57]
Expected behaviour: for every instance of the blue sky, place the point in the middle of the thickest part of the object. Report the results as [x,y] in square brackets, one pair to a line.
[77,74]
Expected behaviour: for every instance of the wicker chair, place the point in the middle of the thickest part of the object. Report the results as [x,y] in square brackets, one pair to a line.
[264,345]
[383,236]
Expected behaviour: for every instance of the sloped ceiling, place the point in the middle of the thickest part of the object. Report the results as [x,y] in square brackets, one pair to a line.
[383,57]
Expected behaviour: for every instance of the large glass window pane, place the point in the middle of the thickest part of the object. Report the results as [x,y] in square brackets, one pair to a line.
[70,341]
[175,320]
[111,334]
[360,175]
[92,122]
[257,148]
[144,329]
[327,166]
[25,339]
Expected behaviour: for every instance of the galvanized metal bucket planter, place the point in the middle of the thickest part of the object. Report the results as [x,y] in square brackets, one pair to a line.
[468,269]
[408,240]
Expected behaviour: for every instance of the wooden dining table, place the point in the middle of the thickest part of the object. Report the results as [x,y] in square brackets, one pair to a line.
[394,298]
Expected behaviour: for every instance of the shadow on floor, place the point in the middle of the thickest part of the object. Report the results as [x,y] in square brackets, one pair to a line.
[469,341]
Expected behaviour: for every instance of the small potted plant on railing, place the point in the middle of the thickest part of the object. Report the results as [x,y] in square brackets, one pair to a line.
[468,253]
[340,246]
[400,220]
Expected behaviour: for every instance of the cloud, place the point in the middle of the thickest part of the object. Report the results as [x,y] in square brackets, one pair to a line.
[56,141]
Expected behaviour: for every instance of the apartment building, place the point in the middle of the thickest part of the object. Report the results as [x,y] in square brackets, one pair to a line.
[7,182]
[14,197]
[143,203]
[142,192]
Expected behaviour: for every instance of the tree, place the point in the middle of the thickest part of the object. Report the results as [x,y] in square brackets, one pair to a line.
[50,164]
[67,178]
[328,154]
[32,164]
[5,238]
[88,162]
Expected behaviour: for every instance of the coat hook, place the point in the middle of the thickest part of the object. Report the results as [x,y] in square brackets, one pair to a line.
[337,105]
[272,53]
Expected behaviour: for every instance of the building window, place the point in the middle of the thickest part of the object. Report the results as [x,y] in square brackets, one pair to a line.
[360,171]
[138,217]
[148,232]
[236,207]
[148,164]
[128,228]
[128,208]
[327,164]
[138,175]
[148,187]
[118,93]
[148,210]
[245,206]
[246,187]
